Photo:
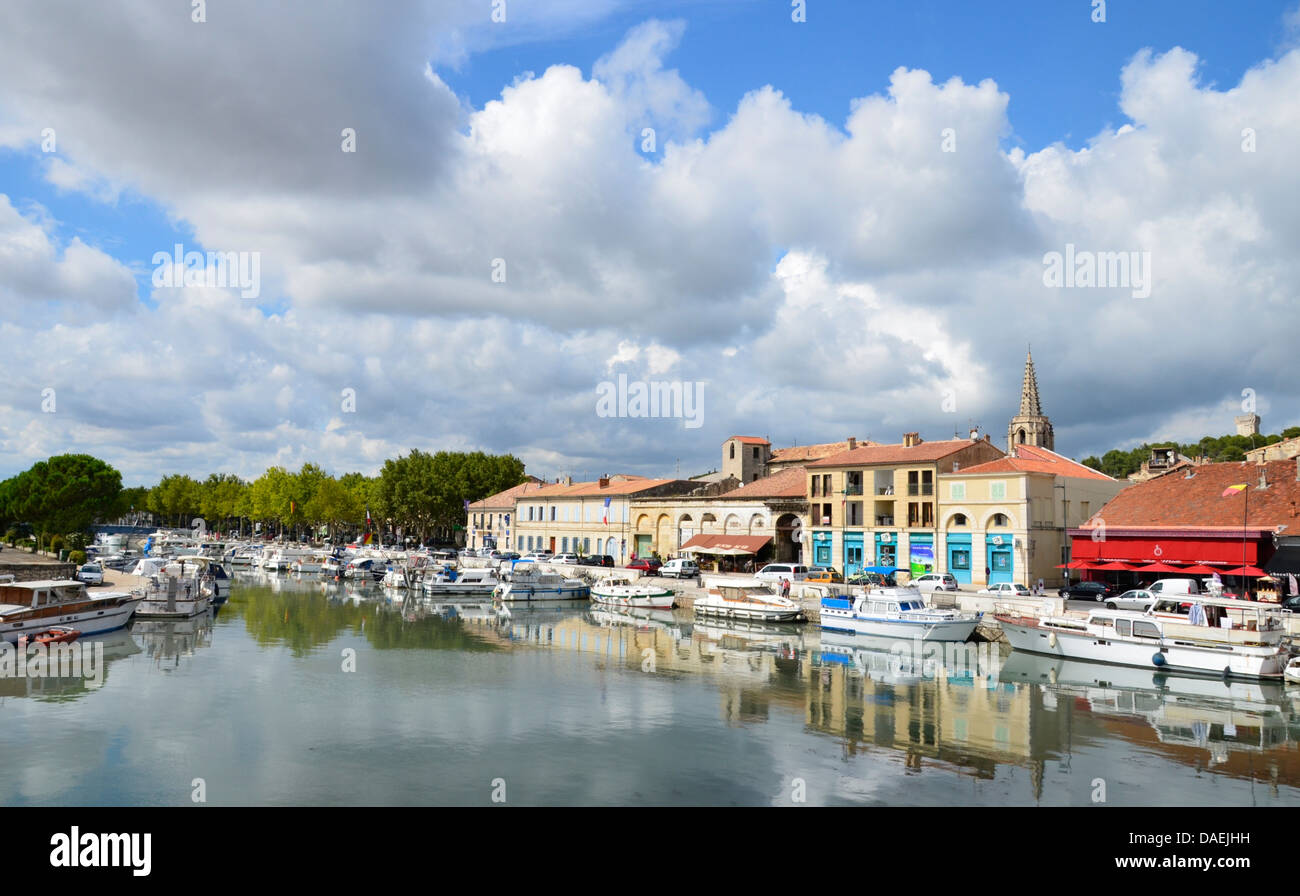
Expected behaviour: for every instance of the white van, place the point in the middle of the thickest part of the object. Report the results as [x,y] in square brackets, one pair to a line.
[1174,586]
[775,572]
[680,568]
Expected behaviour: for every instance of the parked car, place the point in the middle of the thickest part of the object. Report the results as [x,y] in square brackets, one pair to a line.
[91,574]
[825,575]
[1097,591]
[535,558]
[776,572]
[1292,604]
[1007,589]
[565,558]
[648,566]
[1166,587]
[937,581]
[872,580]
[1137,599]
[680,568]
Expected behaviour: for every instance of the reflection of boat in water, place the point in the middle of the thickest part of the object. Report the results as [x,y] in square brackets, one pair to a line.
[171,639]
[752,630]
[1215,713]
[636,617]
[902,660]
[480,611]
[110,646]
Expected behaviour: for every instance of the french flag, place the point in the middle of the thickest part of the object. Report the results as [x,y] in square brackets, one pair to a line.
[605,517]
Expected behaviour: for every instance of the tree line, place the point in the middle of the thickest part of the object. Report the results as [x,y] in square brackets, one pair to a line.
[423,494]
[1118,464]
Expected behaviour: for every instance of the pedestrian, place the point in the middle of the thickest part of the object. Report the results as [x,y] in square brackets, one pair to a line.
[986,573]
[785,588]
[1041,586]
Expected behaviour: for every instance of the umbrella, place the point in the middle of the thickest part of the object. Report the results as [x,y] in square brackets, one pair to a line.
[1199,569]
[1254,571]
[1158,567]
[1114,565]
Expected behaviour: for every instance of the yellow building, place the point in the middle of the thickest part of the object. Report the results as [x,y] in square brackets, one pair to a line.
[489,520]
[878,505]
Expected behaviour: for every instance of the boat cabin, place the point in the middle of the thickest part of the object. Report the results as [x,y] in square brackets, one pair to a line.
[33,595]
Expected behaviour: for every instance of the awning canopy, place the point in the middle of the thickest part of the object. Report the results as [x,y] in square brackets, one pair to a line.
[1286,560]
[1253,571]
[726,545]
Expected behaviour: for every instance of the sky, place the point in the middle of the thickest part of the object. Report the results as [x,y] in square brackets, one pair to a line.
[460,225]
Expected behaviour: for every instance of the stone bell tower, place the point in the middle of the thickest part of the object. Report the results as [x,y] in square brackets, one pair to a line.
[1030,426]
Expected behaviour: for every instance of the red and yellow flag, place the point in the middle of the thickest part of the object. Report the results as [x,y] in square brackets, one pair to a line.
[1233,488]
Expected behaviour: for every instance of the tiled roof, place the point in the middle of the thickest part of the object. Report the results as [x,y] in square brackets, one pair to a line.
[801,453]
[789,483]
[506,498]
[618,485]
[749,440]
[1174,500]
[1032,459]
[895,454]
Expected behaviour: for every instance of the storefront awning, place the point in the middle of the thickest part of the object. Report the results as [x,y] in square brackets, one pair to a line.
[726,545]
[1286,560]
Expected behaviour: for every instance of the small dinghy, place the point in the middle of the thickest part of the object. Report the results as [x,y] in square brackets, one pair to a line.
[50,636]
[1292,671]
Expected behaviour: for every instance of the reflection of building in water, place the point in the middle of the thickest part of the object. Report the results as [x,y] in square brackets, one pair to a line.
[872,697]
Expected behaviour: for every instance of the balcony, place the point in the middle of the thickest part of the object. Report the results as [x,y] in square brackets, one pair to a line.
[884,521]
[853,489]
[885,490]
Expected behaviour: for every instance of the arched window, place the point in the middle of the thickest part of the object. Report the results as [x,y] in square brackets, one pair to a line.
[1022,437]
[959,519]
[1000,520]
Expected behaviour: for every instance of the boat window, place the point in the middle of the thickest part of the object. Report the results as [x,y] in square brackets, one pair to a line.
[1145,630]
[1124,627]
[1103,621]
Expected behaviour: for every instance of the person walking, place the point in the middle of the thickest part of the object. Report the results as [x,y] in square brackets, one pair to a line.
[785,588]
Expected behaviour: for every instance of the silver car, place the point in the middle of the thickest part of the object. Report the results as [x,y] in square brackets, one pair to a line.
[1137,599]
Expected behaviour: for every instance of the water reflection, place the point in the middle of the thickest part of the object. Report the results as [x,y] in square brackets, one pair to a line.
[57,687]
[167,641]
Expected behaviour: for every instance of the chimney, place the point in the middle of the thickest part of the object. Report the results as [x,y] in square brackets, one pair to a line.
[986,437]
[567,480]
[911,438]
[853,443]
[1263,477]
[974,434]
[604,482]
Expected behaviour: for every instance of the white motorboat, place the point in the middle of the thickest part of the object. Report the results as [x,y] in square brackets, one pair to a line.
[29,607]
[898,612]
[1247,642]
[527,582]
[171,597]
[449,582]
[748,600]
[1292,671]
[211,576]
[621,591]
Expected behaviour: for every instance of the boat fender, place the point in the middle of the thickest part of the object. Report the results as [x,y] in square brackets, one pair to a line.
[1051,640]
[1158,659]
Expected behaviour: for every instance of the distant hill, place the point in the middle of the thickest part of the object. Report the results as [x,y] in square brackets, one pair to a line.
[1219,449]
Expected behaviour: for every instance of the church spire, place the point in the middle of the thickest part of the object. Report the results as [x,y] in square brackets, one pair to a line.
[1030,406]
[1030,426]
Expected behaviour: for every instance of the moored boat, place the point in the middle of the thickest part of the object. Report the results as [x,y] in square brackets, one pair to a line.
[621,591]
[50,636]
[31,607]
[1247,642]
[170,597]
[898,612]
[748,600]
[1292,672]
[529,583]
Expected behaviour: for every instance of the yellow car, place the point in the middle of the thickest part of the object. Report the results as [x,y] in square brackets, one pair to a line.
[825,576]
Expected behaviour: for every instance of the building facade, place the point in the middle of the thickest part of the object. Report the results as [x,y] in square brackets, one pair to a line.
[488,523]
[879,505]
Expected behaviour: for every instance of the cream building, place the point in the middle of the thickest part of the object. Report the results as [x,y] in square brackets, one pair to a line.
[1010,516]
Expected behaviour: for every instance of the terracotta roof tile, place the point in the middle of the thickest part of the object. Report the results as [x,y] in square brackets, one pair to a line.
[507,497]
[748,440]
[1174,500]
[1031,459]
[789,483]
[895,454]
[801,453]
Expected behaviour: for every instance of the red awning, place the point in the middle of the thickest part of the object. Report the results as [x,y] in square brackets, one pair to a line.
[1167,548]
[1114,566]
[726,544]
[1158,567]
[1245,571]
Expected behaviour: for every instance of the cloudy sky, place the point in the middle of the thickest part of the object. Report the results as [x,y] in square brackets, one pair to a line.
[462,227]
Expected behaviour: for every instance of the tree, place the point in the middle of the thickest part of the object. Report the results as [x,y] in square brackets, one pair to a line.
[63,494]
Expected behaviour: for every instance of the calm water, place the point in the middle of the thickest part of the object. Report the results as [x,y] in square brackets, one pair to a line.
[569,705]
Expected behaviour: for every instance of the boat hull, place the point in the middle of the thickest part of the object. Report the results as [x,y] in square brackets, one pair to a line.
[955,630]
[527,592]
[91,621]
[748,611]
[659,600]
[1148,654]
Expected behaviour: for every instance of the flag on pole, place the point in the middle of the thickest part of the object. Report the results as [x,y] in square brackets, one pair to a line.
[1233,488]
[291,507]
[1295,589]
[605,516]
[369,536]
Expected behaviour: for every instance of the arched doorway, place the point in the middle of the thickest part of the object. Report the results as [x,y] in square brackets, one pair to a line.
[787,549]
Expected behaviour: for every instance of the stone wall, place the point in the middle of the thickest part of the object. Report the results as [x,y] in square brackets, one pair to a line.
[31,572]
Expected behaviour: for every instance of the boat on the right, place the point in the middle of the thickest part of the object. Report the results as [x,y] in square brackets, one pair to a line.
[1219,636]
